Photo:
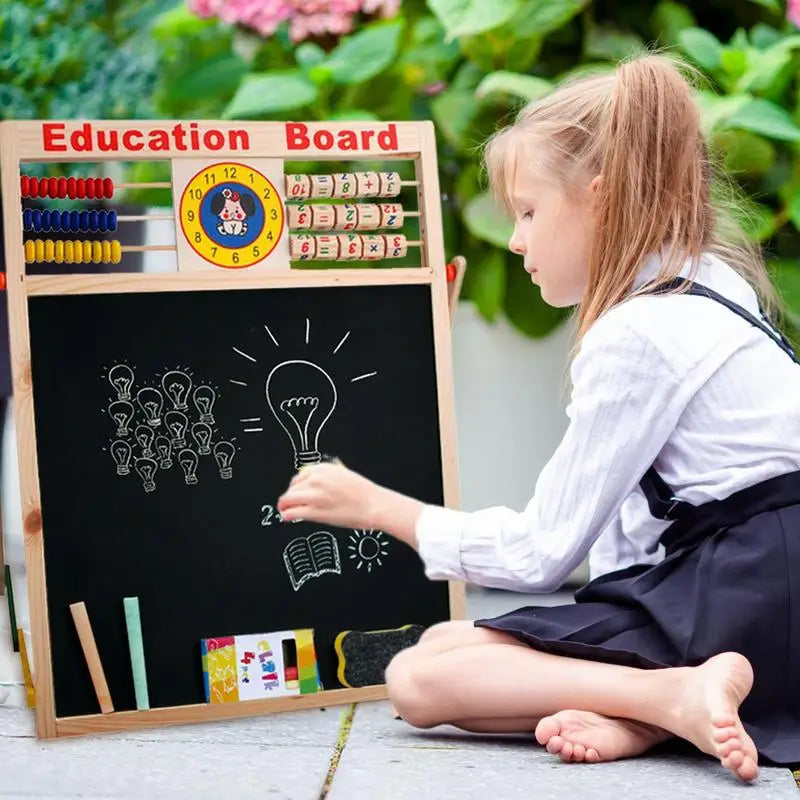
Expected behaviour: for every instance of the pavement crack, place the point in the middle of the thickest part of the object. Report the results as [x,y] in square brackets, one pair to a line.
[344,734]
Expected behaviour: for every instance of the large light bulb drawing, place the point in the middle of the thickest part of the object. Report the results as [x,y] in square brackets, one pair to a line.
[144,438]
[204,397]
[202,435]
[164,450]
[151,402]
[121,378]
[121,411]
[188,461]
[223,455]
[146,468]
[302,397]
[121,453]
[176,425]
[177,385]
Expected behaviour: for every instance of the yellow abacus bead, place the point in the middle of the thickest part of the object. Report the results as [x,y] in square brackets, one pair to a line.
[374,246]
[87,251]
[58,255]
[351,246]
[390,184]
[396,245]
[116,252]
[69,252]
[39,250]
[49,250]
[28,251]
[345,185]
[97,252]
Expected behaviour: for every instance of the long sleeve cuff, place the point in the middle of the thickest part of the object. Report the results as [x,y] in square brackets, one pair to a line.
[439,532]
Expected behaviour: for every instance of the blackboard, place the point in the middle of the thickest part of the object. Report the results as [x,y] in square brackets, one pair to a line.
[206,559]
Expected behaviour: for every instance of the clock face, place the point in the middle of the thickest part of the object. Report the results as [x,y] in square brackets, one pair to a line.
[231,215]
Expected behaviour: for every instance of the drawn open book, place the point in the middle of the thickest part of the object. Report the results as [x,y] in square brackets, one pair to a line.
[310,557]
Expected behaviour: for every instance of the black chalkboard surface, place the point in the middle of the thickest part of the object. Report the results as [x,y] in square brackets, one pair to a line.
[192,530]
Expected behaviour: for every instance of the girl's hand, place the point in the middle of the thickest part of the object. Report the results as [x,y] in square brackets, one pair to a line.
[333,494]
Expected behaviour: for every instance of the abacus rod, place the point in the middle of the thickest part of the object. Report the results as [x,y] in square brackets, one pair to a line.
[143,248]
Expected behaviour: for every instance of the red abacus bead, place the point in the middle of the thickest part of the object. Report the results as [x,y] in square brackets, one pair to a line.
[24,187]
[451,271]
[62,187]
[90,184]
[52,187]
[71,187]
[108,188]
[80,187]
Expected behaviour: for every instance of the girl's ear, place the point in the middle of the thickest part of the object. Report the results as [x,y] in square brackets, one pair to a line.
[595,186]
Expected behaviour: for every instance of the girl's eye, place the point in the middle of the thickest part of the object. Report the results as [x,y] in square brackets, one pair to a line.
[527,215]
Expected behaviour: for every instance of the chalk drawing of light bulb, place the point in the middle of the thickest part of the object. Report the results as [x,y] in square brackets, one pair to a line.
[121,378]
[164,450]
[302,397]
[121,412]
[121,453]
[177,425]
[146,468]
[201,433]
[144,438]
[188,461]
[204,398]
[177,385]
[151,401]
[223,455]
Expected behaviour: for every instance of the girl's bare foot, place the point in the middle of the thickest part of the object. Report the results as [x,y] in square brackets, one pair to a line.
[586,736]
[707,711]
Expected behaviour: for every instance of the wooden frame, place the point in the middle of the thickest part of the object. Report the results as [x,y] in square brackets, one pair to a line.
[40,141]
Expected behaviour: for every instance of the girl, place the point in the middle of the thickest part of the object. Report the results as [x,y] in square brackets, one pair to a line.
[679,474]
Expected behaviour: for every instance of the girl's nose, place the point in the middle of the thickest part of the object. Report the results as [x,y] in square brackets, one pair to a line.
[515,243]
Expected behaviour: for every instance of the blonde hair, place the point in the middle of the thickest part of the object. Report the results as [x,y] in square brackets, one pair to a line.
[639,128]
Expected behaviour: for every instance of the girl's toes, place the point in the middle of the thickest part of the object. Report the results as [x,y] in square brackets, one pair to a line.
[592,756]
[726,748]
[578,752]
[566,751]
[723,734]
[554,745]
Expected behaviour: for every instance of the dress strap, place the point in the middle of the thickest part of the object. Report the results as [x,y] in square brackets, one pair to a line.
[661,500]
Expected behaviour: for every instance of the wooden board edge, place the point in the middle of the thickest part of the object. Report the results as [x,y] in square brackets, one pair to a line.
[208,712]
[19,337]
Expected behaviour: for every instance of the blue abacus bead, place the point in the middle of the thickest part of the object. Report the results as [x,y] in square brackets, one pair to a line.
[100,219]
[112,220]
[94,222]
[27,219]
[74,221]
[84,222]
[61,220]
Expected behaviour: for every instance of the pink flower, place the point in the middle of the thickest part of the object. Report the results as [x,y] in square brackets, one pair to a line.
[793,12]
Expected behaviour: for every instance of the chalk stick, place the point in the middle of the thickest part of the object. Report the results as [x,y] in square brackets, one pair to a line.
[134,624]
[11,613]
[89,646]
[30,692]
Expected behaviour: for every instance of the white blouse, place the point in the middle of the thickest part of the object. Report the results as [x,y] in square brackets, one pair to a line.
[677,381]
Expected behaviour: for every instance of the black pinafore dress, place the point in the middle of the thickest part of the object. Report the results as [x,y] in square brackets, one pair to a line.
[729,581]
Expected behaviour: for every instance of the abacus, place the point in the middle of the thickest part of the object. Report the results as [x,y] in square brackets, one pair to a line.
[241,221]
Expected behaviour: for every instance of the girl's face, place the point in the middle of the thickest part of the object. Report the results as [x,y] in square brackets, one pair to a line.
[552,232]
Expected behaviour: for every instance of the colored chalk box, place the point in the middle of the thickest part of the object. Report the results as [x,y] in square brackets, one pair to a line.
[258,665]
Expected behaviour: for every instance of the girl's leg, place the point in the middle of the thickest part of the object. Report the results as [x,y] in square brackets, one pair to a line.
[499,681]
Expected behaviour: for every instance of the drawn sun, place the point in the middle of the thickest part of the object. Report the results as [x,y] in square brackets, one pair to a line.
[368,547]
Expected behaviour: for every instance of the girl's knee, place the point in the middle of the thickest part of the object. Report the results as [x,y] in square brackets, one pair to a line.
[408,693]
[448,628]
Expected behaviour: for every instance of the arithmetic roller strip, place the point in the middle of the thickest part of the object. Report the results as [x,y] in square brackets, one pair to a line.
[302,247]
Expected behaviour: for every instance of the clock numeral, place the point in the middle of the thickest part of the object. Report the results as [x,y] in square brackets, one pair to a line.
[198,237]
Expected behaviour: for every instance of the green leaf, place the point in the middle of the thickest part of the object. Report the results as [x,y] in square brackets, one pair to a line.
[309,54]
[217,76]
[268,92]
[757,220]
[745,152]
[468,17]
[772,5]
[612,44]
[353,113]
[454,110]
[764,117]
[540,17]
[785,274]
[716,109]
[794,209]
[765,69]
[734,63]
[701,46]
[363,55]
[485,283]
[763,36]
[523,303]
[668,20]
[486,222]
[528,87]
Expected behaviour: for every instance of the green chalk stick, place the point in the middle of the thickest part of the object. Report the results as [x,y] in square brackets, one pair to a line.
[134,624]
[11,613]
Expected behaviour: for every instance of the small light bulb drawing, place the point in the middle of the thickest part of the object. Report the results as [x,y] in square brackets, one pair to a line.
[121,453]
[164,450]
[188,461]
[121,412]
[201,433]
[204,398]
[177,424]
[177,385]
[223,455]
[151,401]
[146,468]
[367,548]
[302,397]
[144,438]
[121,378]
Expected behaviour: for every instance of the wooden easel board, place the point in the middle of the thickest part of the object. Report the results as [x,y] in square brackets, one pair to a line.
[182,514]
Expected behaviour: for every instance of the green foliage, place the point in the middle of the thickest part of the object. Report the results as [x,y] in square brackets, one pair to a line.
[469,65]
